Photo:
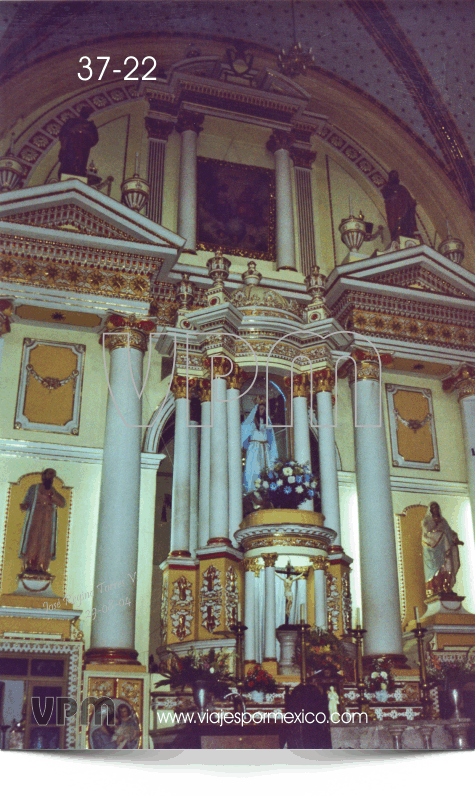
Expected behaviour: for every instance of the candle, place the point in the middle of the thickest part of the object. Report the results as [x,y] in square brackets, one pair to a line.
[448,228]
[302,612]
[358,618]
[349,203]
[136,163]
[239,612]
[416,613]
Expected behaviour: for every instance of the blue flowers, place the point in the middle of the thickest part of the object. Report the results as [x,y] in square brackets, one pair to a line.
[287,490]
[311,493]
[273,486]
[299,479]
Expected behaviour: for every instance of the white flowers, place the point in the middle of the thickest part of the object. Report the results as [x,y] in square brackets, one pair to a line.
[258,482]
[265,485]
[383,674]
[287,472]
[374,675]
[291,479]
[299,489]
[280,482]
[313,485]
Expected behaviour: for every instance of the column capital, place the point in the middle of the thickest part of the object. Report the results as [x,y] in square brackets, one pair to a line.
[324,380]
[158,128]
[269,559]
[236,380]
[302,158]
[178,386]
[187,120]
[319,562]
[367,365]
[462,380]
[280,139]
[252,565]
[221,366]
[204,390]
[6,309]
[300,385]
[129,331]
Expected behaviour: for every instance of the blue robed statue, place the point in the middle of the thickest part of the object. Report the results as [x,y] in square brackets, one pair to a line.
[258,439]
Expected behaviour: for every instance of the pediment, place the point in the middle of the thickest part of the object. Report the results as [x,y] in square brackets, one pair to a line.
[77,209]
[418,278]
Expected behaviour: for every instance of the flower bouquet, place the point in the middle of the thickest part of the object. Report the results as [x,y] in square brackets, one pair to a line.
[210,668]
[286,485]
[445,673]
[259,680]
[381,682]
[326,655]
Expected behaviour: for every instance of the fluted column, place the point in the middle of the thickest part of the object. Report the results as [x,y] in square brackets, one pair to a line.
[194,445]
[113,631]
[301,429]
[464,382]
[251,571]
[303,160]
[234,382]
[158,131]
[279,144]
[324,382]
[204,394]
[189,127]
[219,495]
[6,310]
[180,525]
[319,564]
[379,578]
[270,653]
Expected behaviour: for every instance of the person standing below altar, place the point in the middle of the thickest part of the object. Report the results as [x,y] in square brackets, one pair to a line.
[39,536]
[258,439]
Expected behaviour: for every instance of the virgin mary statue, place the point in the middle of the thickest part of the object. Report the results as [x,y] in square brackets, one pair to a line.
[257,437]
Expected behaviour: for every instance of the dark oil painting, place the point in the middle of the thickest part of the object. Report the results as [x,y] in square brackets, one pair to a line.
[236,209]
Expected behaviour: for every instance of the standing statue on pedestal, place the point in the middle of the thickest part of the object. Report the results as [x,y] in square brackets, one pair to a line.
[400,208]
[77,136]
[258,438]
[440,552]
[39,537]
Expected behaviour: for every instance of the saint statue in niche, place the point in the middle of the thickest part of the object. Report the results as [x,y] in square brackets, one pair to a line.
[77,136]
[258,439]
[440,552]
[39,536]
[400,208]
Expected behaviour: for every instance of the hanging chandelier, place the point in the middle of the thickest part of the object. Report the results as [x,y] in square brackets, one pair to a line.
[296,60]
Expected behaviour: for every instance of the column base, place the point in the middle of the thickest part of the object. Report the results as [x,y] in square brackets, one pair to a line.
[397,660]
[112,656]
[286,268]
[219,541]
[177,554]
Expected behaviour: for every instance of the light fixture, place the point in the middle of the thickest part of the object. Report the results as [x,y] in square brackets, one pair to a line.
[295,61]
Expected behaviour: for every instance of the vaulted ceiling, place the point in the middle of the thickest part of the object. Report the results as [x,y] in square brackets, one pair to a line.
[414,59]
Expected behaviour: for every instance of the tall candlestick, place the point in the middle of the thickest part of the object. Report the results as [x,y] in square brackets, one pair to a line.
[358,618]
[136,163]
[239,612]
[302,612]
[416,613]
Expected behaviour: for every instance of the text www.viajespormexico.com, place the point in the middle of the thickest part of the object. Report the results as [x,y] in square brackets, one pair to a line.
[258,717]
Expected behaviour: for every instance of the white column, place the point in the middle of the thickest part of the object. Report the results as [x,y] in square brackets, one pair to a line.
[320,591]
[327,454]
[180,525]
[117,536]
[193,487]
[205,464]
[234,454]
[249,610]
[189,127]
[379,579]
[269,614]
[219,497]
[5,310]
[464,380]
[302,435]
[280,143]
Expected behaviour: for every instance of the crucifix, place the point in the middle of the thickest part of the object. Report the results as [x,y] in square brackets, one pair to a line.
[288,581]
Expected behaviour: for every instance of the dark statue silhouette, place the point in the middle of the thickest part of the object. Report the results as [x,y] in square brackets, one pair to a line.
[77,136]
[400,208]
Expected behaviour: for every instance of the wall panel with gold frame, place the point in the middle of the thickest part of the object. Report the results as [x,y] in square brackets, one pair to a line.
[49,392]
[412,587]
[412,427]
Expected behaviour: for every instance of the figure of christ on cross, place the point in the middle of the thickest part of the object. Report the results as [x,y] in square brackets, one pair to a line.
[288,581]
